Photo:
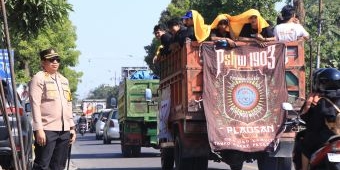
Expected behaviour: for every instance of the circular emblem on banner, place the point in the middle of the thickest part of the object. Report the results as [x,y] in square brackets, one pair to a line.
[245,96]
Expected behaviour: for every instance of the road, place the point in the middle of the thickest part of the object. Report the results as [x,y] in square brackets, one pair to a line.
[91,154]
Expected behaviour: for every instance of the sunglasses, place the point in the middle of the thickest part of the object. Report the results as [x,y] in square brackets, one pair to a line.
[53,59]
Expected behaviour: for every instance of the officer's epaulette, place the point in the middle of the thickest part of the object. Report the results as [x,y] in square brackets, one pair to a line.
[46,74]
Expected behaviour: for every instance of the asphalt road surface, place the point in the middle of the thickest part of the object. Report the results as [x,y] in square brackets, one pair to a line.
[91,154]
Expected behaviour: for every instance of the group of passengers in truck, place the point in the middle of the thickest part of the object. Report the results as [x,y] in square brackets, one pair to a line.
[249,26]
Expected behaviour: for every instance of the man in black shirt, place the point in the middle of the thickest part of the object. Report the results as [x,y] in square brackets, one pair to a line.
[189,23]
[250,32]
[179,32]
[164,37]
[222,33]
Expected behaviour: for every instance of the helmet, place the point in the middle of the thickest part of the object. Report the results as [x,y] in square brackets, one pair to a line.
[328,79]
[314,76]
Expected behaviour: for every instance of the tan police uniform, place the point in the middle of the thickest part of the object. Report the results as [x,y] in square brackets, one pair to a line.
[50,98]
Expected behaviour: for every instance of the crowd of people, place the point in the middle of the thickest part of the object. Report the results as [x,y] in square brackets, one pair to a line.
[249,26]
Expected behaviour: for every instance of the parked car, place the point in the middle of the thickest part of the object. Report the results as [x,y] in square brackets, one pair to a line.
[102,118]
[6,160]
[111,128]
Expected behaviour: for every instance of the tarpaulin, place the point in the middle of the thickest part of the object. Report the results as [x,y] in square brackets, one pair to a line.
[237,22]
[202,31]
[244,88]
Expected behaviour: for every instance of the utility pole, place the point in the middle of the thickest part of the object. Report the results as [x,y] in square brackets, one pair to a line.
[115,78]
[319,34]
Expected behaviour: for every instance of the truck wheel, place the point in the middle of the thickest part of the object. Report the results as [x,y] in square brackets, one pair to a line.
[274,163]
[284,163]
[136,150]
[181,162]
[200,163]
[126,149]
[167,158]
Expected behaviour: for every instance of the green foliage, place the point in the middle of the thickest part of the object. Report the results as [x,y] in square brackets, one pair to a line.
[330,33]
[28,17]
[104,92]
[60,36]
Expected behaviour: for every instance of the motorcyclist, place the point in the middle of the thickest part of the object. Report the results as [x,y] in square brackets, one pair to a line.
[82,120]
[320,112]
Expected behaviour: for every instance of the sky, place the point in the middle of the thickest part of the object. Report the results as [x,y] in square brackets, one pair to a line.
[112,34]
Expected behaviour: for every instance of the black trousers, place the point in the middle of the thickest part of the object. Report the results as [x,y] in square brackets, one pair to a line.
[53,155]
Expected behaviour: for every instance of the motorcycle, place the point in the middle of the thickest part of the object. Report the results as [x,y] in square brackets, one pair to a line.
[326,157]
[82,129]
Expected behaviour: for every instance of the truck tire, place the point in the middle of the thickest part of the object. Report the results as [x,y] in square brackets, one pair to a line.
[135,150]
[200,163]
[180,162]
[274,163]
[126,149]
[193,163]
[167,158]
[284,163]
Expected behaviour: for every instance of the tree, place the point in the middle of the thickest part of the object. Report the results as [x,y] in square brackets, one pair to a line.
[330,33]
[40,24]
[62,36]
[104,92]
[29,17]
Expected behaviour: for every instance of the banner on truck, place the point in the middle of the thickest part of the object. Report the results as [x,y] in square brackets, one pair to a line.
[244,88]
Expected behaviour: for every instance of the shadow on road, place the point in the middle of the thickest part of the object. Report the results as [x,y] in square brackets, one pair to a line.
[135,169]
[121,169]
[110,155]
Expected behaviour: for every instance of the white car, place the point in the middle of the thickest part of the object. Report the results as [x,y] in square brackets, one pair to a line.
[102,118]
[111,128]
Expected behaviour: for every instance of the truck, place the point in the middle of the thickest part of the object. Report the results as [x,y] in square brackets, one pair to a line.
[137,109]
[224,104]
[90,106]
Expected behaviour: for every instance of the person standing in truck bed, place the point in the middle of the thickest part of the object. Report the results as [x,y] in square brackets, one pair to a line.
[257,30]
[53,124]
[222,32]
[289,29]
[165,38]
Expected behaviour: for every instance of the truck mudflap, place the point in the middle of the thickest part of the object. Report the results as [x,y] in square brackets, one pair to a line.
[193,145]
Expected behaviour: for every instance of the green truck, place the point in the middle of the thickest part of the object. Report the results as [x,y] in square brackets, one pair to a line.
[138,109]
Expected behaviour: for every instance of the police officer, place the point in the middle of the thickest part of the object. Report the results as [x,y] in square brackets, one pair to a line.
[53,124]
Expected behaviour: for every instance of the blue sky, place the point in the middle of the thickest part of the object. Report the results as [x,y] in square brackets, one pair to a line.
[112,34]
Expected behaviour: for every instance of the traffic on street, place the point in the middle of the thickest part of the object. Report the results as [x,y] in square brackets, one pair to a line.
[91,154]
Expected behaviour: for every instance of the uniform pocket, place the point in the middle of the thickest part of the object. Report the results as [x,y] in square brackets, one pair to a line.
[51,91]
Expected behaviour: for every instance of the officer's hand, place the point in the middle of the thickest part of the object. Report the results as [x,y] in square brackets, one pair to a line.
[73,136]
[40,137]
